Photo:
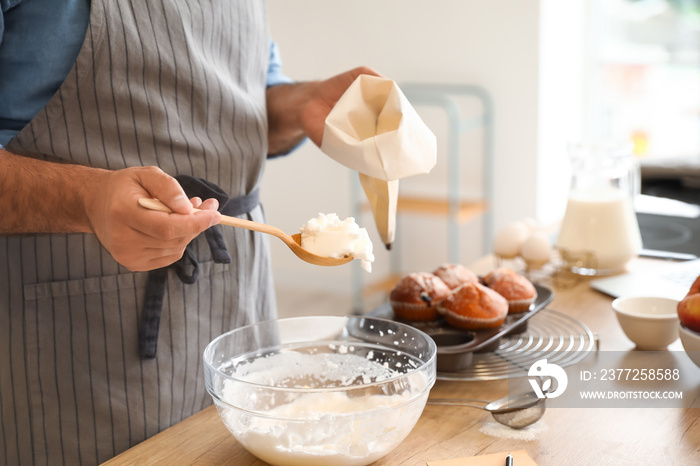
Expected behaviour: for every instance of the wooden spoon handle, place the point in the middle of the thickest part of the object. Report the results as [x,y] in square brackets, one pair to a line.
[250,225]
[155,204]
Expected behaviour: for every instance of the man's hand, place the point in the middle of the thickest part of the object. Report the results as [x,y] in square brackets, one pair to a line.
[138,238]
[323,97]
[43,197]
[298,110]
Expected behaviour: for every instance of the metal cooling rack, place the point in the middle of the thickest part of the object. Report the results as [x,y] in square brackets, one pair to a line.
[560,339]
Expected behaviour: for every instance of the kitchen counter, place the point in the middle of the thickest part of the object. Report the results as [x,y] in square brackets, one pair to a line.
[582,436]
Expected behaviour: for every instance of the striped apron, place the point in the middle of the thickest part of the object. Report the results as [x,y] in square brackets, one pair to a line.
[175,83]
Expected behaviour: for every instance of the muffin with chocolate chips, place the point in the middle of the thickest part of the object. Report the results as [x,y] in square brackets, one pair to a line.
[416,296]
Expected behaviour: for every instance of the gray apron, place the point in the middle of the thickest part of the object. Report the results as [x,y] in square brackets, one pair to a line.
[175,83]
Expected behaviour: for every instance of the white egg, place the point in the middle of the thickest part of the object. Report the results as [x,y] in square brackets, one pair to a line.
[536,250]
[510,239]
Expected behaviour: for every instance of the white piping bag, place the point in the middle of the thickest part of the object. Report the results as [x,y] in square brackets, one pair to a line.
[374,130]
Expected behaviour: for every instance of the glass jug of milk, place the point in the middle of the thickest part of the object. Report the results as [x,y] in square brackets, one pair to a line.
[599,232]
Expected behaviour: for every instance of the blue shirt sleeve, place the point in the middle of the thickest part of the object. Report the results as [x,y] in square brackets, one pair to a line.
[33,64]
[274,67]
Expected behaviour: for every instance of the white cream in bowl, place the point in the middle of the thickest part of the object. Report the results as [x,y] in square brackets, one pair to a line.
[320,390]
[321,427]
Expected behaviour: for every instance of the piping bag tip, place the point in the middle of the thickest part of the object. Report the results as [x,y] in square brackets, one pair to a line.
[383,199]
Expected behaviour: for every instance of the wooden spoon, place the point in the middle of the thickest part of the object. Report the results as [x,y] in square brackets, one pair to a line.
[293,242]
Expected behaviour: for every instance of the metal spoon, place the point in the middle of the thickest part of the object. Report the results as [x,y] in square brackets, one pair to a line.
[513,411]
[293,241]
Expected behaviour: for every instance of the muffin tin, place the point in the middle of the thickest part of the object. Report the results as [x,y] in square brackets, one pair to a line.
[455,346]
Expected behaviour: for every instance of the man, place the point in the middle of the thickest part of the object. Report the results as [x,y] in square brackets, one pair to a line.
[96,353]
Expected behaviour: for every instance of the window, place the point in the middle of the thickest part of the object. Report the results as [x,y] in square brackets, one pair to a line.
[646,77]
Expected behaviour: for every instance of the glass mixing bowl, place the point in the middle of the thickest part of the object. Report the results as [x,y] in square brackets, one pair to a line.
[320,390]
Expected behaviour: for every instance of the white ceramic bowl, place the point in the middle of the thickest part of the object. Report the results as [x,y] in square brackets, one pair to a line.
[650,322]
[321,390]
[691,343]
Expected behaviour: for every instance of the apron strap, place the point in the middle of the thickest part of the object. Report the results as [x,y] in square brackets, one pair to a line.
[187,268]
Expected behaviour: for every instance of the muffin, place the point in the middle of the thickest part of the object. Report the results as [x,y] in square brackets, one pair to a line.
[517,290]
[415,296]
[473,306]
[455,275]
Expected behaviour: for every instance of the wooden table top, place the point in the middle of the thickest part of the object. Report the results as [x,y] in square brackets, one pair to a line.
[582,436]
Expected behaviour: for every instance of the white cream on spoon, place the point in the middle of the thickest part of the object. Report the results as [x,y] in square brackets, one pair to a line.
[328,236]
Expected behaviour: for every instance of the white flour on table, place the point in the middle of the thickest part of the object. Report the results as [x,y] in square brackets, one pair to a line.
[528,434]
